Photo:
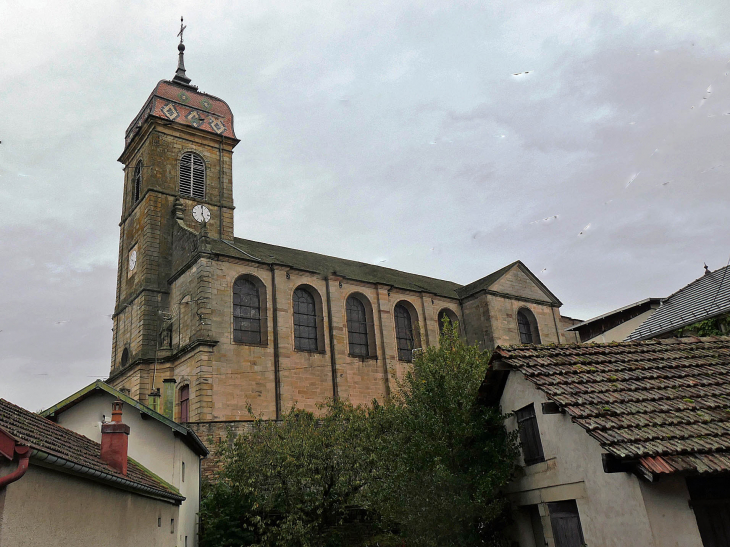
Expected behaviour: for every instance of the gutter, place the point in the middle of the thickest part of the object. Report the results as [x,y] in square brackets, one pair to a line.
[126,484]
[24,453]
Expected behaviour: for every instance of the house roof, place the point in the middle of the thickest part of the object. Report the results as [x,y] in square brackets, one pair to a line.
[487,281]
[330,265]
[606,315]
[662,405]
[78,454]
[702,299]
[188,436]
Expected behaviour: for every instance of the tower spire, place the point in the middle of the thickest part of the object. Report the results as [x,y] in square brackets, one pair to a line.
[180,77]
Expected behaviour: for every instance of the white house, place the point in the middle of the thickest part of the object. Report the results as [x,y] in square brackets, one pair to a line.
[623,444]
[168,449]
[60,488]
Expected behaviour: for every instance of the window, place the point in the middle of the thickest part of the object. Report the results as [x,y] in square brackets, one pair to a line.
[357,327]
[185,403]
[125,358]
[172,526]
[529,435]
[403,332]
[137,181]
[527,326]
[446,314]
[710,502]
[305,321]
[182,472]
[159,522]
[565,522]
[192,176]
[246,312]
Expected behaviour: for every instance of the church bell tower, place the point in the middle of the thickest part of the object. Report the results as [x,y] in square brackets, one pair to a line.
[177,189]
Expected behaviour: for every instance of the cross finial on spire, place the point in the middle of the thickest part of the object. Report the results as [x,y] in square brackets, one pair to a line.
[180,77]
[182,29]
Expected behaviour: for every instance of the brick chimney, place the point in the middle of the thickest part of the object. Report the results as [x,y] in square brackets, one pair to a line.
[114,440]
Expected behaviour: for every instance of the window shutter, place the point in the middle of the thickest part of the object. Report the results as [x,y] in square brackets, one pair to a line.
[186,168]
[529,435]
[198,178]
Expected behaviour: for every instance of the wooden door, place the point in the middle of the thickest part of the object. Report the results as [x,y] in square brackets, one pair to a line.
[565,522]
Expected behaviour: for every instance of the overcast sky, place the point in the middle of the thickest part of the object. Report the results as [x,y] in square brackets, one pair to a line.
[589,140]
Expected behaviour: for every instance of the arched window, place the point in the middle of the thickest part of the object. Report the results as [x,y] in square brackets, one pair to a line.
[137,181]
[446,314]
[403,332]
[357,327]
[305,321]
[527,325]
[125,358]
[185,403]
[246,312]
[192,175]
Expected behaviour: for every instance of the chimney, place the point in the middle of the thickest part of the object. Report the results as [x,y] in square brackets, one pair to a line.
[114,440]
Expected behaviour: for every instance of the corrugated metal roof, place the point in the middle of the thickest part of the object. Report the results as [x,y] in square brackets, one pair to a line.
[702,299]
[662,403]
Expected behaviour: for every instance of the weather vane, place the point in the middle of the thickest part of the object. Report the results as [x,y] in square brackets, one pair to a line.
[182,29]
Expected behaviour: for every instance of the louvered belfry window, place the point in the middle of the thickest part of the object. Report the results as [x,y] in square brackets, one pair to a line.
[192,176]
[246,312]
[137,181]
[305,321]
[403,333]
[357,327]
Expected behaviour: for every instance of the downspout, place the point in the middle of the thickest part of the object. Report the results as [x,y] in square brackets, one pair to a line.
[333,358]
[382,344]
[24,453]
[220,188]
[275,324]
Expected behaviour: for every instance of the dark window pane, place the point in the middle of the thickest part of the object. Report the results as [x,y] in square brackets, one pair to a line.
[137,181]
[524,325]
[185,404]
[529,435]
[246,312]
[403,333]
[305,321]
[357,327]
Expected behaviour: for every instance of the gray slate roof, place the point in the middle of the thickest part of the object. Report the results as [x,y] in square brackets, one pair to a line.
[330,265]
[702,299]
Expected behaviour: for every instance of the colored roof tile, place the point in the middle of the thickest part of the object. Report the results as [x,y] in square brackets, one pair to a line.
[664,404]
[42,434]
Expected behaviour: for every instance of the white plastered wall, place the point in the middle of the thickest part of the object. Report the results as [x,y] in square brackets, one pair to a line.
[152,444]
[611,506]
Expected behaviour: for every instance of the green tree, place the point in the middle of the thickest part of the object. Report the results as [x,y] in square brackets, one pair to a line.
[443,458]
[423,469]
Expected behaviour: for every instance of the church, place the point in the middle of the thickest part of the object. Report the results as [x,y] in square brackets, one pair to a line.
[206,323]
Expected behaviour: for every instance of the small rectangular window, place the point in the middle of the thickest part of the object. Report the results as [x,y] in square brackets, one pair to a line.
[529,435]
[185,404]
[186,541]
[159,522]
[172,526]
[183,471]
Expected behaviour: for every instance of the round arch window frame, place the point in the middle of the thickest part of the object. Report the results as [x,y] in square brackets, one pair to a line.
[532,322]
[415,328]
[263,310]
[370,324]
[319,314]
[453,318]
[206,168]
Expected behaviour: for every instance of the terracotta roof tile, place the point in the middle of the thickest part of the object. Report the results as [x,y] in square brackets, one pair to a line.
[662,403]
[42,434]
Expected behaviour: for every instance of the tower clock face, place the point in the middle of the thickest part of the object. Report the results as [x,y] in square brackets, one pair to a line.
[201,213]
[132,260]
